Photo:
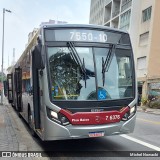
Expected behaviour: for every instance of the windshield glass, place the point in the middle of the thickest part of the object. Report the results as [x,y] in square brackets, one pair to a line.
[118,77]
[67,77]
[82,79]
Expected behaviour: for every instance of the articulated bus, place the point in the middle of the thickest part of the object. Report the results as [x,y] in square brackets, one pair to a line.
[75,81]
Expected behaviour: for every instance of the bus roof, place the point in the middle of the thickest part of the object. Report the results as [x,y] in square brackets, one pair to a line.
[85,26]
[89,26]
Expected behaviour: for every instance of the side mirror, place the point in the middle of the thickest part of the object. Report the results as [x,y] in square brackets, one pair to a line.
[37,60]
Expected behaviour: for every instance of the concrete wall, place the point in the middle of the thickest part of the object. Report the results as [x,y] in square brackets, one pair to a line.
[134,24]
[154,56]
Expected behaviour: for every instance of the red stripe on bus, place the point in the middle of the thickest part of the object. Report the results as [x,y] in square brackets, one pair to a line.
[91,118]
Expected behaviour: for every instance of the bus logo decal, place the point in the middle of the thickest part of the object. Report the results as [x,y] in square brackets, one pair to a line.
[97,119]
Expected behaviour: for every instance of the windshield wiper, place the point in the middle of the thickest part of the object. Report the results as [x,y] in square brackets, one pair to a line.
[77,59]
[107,62]
[84,72]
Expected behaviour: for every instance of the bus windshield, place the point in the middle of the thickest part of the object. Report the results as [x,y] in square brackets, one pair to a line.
[83,79]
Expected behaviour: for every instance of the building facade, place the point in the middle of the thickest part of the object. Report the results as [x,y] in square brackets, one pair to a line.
[141,18]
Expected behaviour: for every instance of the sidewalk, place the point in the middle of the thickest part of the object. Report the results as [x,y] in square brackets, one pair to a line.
[148,110]
[8,138]
[11,138]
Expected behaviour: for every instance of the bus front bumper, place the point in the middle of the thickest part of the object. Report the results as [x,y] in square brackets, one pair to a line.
[54,131]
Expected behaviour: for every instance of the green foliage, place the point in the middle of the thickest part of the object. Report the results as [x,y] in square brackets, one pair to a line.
[155,104]
[144,100]
[4,78]
[151,102]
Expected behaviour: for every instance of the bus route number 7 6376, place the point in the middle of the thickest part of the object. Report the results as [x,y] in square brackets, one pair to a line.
[113,117]
[83,36]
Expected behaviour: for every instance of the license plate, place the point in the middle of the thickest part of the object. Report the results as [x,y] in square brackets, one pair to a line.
[96,134]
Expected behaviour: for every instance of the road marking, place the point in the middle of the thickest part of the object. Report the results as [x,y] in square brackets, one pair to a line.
[145,120]
[141,142]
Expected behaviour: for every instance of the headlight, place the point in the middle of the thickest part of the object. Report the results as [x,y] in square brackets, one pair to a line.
[57,117]
[129,114]
[54,114]
[132,110]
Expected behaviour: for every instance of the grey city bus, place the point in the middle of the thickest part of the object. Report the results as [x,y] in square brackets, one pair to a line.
[75,81]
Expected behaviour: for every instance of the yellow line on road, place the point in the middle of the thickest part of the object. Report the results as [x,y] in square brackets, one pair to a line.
[145,120]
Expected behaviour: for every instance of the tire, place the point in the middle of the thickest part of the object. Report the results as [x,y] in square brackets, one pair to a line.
[30,123]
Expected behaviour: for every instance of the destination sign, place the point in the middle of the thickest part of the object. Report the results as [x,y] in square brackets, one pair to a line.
[82,35]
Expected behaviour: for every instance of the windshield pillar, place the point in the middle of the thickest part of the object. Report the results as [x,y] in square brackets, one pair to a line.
[96,79]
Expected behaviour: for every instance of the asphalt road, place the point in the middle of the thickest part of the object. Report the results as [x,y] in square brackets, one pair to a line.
[147,128]
[146,137]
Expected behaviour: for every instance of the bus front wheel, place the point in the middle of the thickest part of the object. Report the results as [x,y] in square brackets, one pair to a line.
[30,123]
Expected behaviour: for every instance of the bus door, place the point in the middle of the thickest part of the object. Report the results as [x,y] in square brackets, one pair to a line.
[10,87]
[18,88]
[36,57]
[5,88]
[41,100]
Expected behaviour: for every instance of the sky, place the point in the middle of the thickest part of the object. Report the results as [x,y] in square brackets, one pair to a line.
[28,14]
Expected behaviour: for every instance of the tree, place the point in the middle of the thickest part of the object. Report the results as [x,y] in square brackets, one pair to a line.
[4,77]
